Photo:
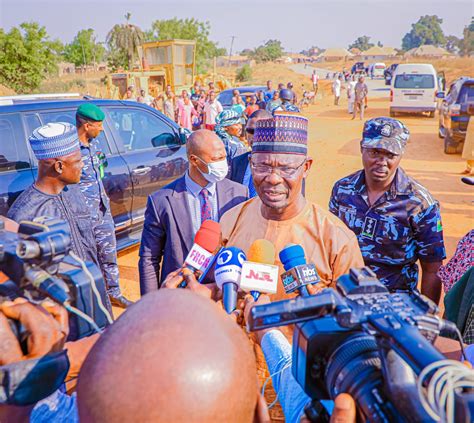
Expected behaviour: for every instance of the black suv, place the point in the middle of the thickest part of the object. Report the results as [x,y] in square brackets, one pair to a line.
[144,151]
[454,113]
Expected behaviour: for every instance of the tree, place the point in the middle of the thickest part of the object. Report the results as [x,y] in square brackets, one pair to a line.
[187,29]
[268,52]
[27,56]
[453,44]
[84,50]
[467,43]
[244,74]
[362,43]
[126,37]
[379,43]
[426,31]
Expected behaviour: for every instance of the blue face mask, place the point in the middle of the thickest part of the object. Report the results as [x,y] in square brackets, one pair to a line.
[29,381]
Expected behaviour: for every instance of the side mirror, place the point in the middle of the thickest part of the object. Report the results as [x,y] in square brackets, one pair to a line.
[440,94]
[183,135]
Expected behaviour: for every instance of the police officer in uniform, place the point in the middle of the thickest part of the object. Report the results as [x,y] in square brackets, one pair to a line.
[287,103]
[396,220]
[89,119]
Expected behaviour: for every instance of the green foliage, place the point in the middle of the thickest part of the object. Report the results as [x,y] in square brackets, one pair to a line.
[27,56]
[117,59]
[126,38]
[244,74]
[453,44]
[268,52]
[426,31]
[466,45]
[187,29]
[362,43]
[84,49]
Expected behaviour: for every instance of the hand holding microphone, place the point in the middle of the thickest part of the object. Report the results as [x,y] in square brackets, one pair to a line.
[298,274]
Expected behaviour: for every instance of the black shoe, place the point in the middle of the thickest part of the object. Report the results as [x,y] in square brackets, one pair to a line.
[118,300]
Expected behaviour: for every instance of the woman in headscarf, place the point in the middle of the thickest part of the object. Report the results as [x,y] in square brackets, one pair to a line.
[229,128]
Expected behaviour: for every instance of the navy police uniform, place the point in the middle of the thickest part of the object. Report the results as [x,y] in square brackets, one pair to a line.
[402,226]
[92,187]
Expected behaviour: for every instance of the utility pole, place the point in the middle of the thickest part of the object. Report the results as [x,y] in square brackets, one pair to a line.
[233,37]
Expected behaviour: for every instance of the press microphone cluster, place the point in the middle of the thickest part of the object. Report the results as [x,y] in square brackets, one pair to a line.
[254,273]
[297,273]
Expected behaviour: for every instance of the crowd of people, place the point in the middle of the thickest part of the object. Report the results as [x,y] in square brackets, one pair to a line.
[176,355]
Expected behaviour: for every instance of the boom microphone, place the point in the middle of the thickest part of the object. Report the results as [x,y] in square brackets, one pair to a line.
[206,242]
[259,274]
[227,275]
[297,273]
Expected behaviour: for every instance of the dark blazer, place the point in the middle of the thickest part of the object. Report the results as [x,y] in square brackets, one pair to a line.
[167,231]
[238,167]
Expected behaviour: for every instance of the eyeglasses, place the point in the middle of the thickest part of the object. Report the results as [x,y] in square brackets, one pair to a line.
[283,171]
[376,154]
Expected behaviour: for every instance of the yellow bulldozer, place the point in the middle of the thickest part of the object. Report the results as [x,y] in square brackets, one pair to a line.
[170,62]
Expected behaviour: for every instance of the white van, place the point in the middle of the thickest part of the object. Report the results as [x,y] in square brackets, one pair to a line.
[378,69]
[413,90]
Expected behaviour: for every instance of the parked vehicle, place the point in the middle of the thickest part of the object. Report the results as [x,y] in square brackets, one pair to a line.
[454,113]
[357,68]
[144,151]
[388,73]
[414,89]
[376,70]
[225,97]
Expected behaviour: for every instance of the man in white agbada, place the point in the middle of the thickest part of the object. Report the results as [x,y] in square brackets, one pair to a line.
[351,95]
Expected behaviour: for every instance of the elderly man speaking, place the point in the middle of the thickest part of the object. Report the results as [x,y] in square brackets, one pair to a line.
[280,213]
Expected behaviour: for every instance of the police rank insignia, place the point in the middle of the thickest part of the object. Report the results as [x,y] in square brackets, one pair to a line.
[368,230]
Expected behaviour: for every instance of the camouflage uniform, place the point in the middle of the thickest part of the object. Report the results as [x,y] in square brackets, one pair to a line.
[403,225]
[98,202]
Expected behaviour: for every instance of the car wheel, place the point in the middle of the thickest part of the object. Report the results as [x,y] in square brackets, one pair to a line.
[450,147]
[392,114]
[459,147]
[431,114]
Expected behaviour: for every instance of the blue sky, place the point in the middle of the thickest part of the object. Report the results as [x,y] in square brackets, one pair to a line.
[298,24]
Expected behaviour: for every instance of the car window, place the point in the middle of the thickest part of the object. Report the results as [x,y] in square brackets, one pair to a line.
[467,94]
[140,130]
[70,117]
[414,81]
[13,150]
[32,122]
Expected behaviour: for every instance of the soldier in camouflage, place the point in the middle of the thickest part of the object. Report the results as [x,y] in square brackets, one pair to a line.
[89,119]
[396,220]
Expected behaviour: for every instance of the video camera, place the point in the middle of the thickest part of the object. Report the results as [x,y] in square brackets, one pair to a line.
[369,343]
[39,262]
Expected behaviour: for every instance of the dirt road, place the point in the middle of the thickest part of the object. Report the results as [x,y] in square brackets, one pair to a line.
[334,145]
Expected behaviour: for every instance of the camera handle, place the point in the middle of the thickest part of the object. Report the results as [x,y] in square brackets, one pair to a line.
[406,340]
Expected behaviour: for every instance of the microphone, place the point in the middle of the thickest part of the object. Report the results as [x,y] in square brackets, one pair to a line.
[259,274]
[206,241]
[297,273]
[227,275]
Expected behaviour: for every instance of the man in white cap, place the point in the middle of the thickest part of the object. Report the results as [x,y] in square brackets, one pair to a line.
[55,193]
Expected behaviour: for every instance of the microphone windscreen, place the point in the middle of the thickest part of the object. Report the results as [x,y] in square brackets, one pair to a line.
[261,251]
[208,236]
[229,266]
[292,255]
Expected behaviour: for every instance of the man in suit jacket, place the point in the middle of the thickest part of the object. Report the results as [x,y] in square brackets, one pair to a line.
[175,213]
[240,167]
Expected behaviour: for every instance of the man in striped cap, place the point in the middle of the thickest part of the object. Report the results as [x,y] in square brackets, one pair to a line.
[55,192]
[280,213]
